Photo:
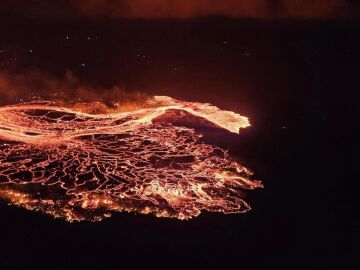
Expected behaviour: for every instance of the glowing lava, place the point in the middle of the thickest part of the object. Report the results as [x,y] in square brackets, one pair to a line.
[81,166]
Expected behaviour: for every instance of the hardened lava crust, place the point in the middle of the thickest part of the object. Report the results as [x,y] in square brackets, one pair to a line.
[84,167]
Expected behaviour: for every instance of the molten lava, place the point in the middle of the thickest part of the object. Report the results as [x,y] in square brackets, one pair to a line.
[80,166]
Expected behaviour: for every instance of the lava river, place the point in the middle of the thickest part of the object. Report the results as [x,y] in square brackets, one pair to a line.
[81,166]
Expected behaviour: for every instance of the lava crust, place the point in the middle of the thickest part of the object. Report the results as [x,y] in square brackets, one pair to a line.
[81,166]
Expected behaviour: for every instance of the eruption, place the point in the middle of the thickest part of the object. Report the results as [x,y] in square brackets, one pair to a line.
[75,165]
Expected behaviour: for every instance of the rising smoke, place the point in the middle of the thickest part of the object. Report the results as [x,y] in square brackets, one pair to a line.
[68,89]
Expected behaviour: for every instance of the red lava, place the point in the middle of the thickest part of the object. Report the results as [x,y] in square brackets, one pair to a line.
[81,166]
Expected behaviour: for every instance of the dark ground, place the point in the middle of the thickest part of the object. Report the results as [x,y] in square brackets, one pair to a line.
[296,81]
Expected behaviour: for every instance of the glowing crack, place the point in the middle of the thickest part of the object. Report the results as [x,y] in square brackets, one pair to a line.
[81,166]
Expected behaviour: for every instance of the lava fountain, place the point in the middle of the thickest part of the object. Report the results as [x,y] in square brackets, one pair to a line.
[81,166]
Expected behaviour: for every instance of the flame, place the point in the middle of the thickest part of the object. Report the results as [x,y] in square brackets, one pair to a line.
[78,166]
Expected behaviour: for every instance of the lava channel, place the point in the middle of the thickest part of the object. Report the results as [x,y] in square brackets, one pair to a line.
[80,166]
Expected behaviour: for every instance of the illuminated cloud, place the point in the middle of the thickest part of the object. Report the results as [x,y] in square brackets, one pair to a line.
[233,8]
[176,9]
[184,9]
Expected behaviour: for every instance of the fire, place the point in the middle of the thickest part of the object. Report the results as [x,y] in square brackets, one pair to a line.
[80,166]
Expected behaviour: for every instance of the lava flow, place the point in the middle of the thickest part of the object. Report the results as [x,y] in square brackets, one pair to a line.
[81,166]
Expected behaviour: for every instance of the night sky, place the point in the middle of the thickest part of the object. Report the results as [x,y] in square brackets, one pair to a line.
[290,66]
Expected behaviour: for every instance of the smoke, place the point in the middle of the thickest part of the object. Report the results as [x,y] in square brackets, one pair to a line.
[198,8]
[67,90]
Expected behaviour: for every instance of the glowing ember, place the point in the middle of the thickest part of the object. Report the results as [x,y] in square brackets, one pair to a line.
[81,166]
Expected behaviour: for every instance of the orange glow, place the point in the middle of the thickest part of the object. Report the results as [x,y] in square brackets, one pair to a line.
[80,166]
[191,8]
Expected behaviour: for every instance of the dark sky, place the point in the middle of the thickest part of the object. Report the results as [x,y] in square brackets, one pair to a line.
[269,9]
